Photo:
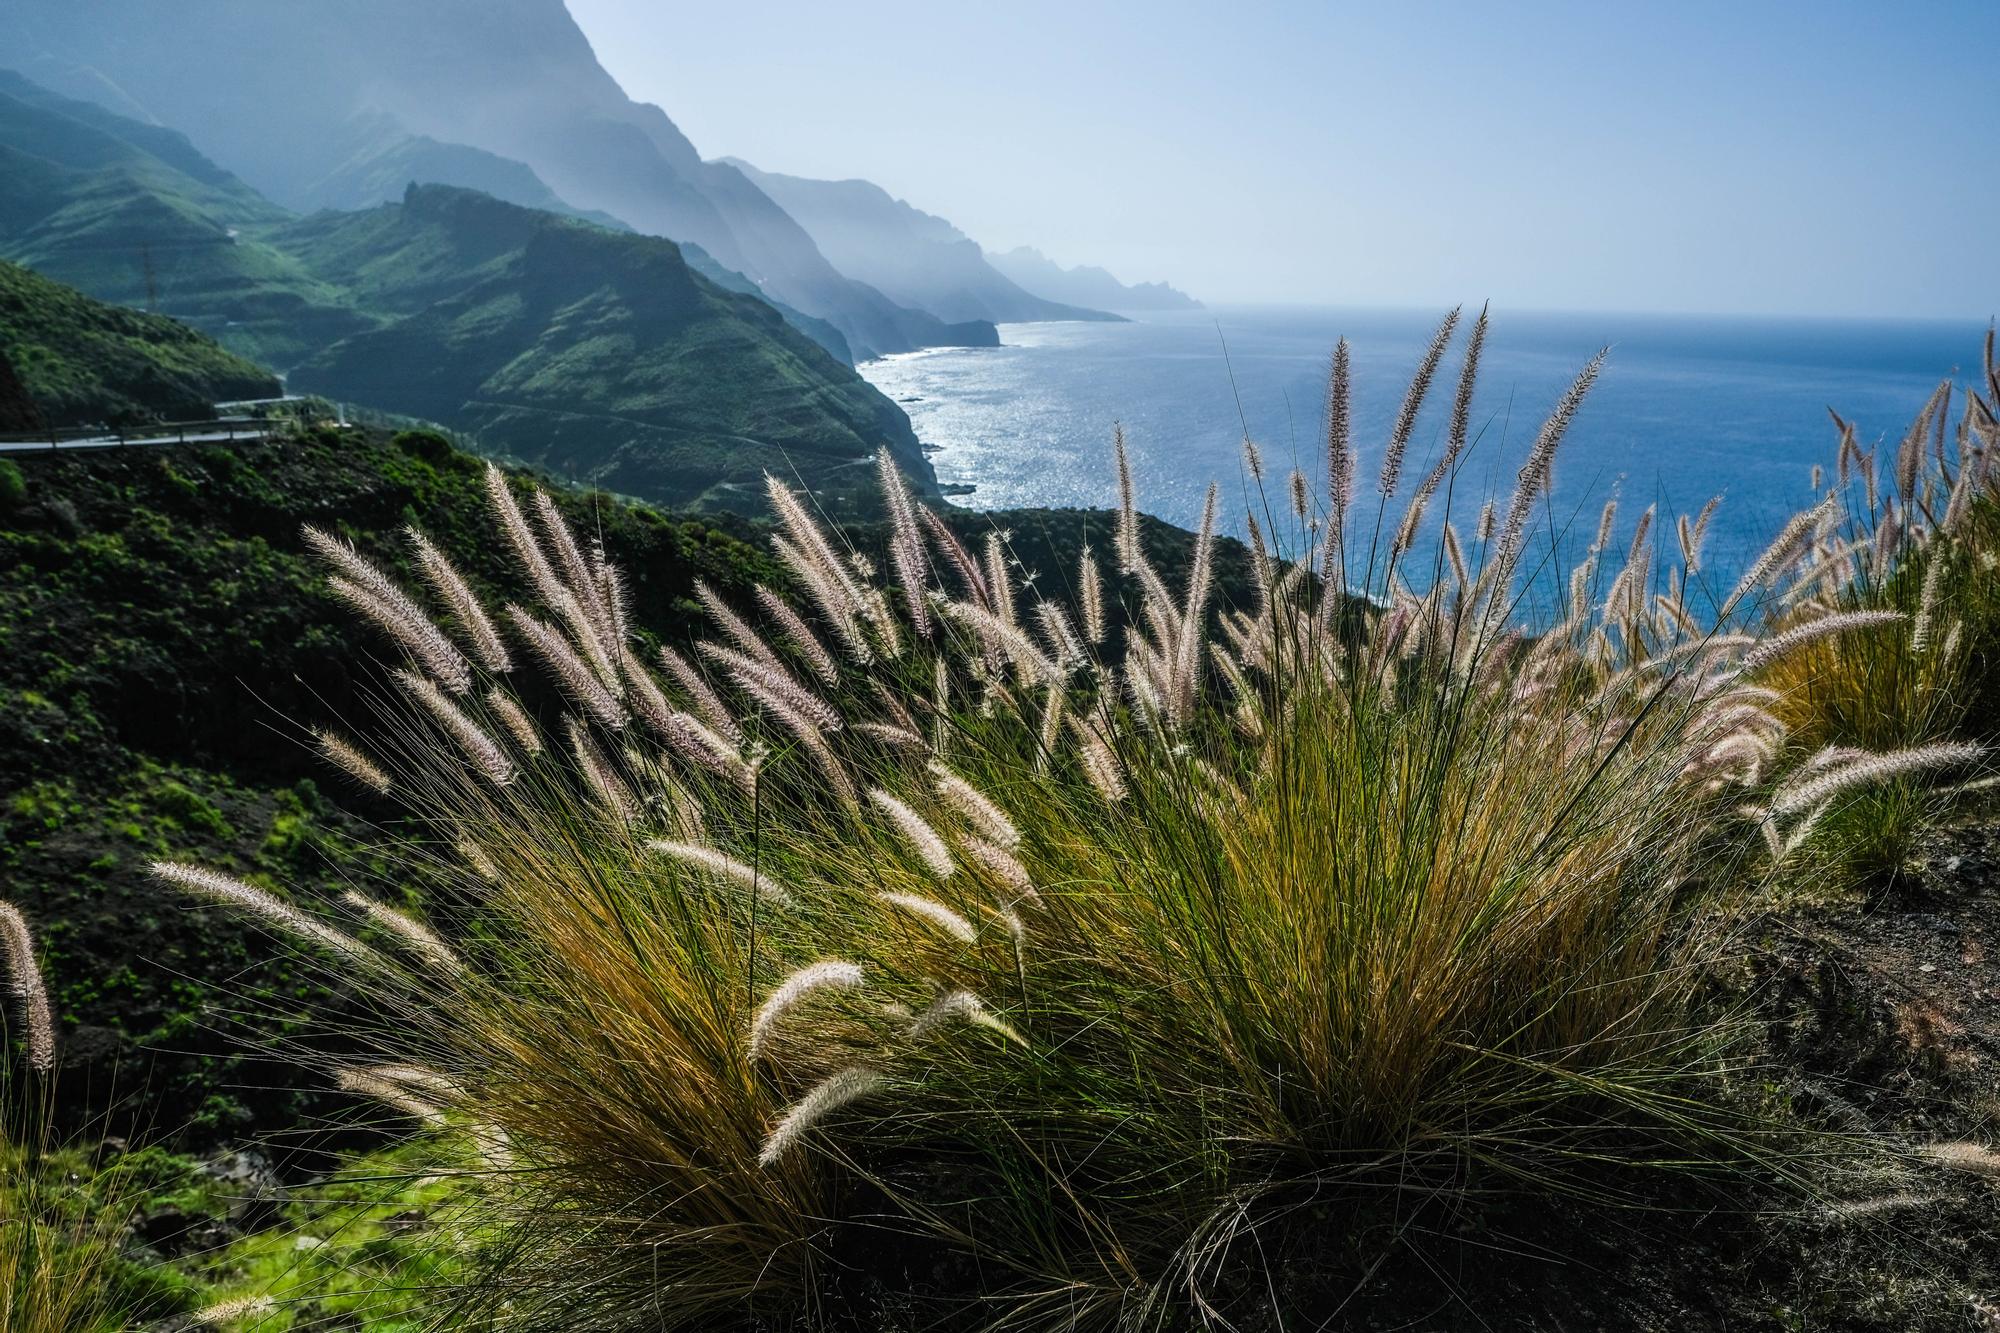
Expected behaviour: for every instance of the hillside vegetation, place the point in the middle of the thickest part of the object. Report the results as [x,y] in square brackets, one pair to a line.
[162,631]
[599,355]
[80,360]
[135,215]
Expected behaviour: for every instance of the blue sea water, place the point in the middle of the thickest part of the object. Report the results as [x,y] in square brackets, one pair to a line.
[1686,408]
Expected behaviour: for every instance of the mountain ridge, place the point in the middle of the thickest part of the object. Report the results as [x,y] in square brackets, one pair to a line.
[1036,272]
[88,201]
[579,349]
[915,257]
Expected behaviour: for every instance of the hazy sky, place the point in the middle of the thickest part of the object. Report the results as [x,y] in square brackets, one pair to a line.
[1825,158]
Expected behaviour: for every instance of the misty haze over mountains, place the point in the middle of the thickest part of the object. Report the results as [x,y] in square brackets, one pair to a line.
[915,257]
[1086,284]
[343,104]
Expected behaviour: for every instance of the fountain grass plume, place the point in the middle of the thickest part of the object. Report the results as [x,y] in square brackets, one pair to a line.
[830,1095]
[933,914]
[917,832]
[1874,769]
[465,607]
[999,580]
[793,628]
[906,544]
[723,867]
[24,983]
[974,804]
[707,703]
[810,980]
[767,679]
[1535,473]
[738,631]
[423,942]
[484,753]
[520,538]
[344,755]
[391,1093]
[583,684]
[964,1007]
[1090,592]
[1798,636]
[368,591]
[581,582]
[956,553]
[1413,402]
[1340,457]
[230,892]
[515,721]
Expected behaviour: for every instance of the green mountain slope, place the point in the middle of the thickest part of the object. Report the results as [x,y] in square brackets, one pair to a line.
[80,360]
[603,355]
[821,332]
[133,214]
[514,78]
[600,354]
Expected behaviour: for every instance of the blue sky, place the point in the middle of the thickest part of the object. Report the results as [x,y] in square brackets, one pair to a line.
[1747,157]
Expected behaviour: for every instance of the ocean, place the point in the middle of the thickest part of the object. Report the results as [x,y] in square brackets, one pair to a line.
[1686,408]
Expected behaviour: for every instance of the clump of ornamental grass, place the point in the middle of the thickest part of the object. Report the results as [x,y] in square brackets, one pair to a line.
[60,1246]
[1913,547]
[911,916]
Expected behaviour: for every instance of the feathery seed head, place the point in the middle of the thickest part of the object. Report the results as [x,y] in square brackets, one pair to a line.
[723,867]
[969,801]
[481,749]
[465,607]
[813,979]
[220,888]
[24,982]
[930,848]
[419,938]
[343,755]
[933,913]
[826,1097]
